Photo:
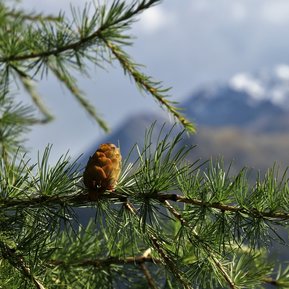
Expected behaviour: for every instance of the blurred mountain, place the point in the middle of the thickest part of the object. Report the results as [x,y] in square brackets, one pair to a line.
[257,103]
[225,106]
[258,151]
[129,133]
[245,121]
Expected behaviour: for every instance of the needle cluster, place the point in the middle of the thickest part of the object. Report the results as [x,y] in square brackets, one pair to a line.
[170,223]
[40,45]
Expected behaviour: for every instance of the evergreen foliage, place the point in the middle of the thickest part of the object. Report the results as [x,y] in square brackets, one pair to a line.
[169,223]
[38,45]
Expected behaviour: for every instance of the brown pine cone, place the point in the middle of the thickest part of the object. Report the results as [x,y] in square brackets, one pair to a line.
[103,168]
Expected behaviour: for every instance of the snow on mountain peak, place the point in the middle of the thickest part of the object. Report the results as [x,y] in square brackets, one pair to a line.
[245,82]
[270,86]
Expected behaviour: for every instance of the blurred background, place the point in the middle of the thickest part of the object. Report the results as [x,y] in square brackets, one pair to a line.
[227,62]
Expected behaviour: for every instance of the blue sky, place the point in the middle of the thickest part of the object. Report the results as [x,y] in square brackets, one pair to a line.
[186,44]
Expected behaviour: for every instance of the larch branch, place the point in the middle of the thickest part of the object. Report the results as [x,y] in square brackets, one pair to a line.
[107,261]
[81,42]
[80,199]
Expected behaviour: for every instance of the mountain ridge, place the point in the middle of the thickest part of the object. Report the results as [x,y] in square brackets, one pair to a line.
[227,116]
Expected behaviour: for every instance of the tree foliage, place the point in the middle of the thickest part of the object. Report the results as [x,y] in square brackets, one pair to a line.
[169,223]
[39,45]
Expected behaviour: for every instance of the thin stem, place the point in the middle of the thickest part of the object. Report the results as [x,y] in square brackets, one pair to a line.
[18,263]
[80,199]
[209,250]
[228,208]
[32,17]
[148,276]
[271,281]
[138,260]
[158,246]
[108,261]
[144,82]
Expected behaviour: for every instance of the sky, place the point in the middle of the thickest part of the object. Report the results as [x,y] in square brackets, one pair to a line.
[186,44]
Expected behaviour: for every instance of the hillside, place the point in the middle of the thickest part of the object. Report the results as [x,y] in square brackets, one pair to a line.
[258,151]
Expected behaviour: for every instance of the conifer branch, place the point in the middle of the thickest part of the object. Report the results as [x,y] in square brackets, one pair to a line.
[223,207]
[116,18]
[146,84]
[148,276]
[79,199]
[30,88]
[132,11]
[69,82]
[159,248]
[207,248]
[271,281]
[32,16]
[18,263]
[137,260]
[201,228]
[275,282]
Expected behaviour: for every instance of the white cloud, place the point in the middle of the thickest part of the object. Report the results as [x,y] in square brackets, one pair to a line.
[282,71]
[279,96]
[155,19]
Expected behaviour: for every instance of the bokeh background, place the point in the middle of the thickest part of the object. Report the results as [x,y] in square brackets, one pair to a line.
[189,45]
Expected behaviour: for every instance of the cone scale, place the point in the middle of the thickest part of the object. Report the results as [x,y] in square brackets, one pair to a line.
[103,168]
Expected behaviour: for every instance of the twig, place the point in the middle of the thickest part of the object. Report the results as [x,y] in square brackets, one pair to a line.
[80,199]
[108,261]
[271,281]
[28,85]
[148,276]
[33,17]
[145,83]
[206,246]
[138,260]
[168,261]
[222,207]
[157,245]
[18,262]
